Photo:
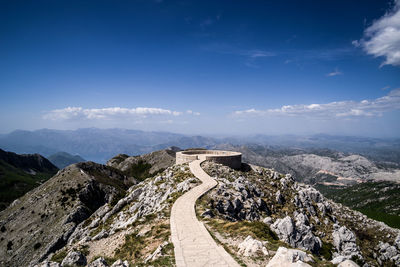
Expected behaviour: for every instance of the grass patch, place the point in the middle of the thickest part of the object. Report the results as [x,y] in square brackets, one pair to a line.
[59,256]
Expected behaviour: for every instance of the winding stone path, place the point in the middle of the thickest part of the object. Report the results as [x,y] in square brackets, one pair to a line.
[193,245]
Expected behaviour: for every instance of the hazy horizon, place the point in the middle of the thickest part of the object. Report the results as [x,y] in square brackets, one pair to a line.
[212,135]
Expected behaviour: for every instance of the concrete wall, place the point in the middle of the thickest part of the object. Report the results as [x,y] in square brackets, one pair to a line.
[228,158]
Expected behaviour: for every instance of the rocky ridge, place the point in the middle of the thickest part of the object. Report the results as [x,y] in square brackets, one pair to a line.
[273,208]
[146,165]
[133,229]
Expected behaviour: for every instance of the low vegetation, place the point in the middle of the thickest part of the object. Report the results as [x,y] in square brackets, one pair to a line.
[378,200]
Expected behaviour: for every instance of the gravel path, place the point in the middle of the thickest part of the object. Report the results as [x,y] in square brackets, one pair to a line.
[193,245]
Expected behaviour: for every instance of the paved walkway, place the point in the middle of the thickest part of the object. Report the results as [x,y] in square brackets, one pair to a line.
[194,246]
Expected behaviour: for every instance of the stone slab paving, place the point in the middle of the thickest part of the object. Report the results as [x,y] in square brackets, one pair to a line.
[193,245]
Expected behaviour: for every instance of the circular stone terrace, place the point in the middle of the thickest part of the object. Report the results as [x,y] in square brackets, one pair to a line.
[229,158]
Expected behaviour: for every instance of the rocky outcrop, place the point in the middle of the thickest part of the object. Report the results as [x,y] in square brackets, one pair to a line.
[348,263]
[100,262]
[299,234]
[290,258]
[239,200]
[388,253]
[120,263]
[144,165]
[74,258]
[299,215]
[252,247]
[344,241]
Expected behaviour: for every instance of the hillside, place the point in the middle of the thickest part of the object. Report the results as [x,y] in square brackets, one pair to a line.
[20,174]
[318,166]
[30,233]
[64,159]
[96,215]
[260,208]
[377,200]
[89,210]
[146,165]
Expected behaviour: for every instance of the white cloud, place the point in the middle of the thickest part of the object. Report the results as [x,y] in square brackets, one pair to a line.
[334,73]
[382,38]
[106,113]
[340,109]
[191,112]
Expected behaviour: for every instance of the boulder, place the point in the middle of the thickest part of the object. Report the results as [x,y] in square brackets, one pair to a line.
[289,258]
[48,264]
[74,258]
[120,263]
[100,262]
[338,259]
[344,241]
[279,197]
[298,235]
[268,220]
[348,263]
[208,214]
[252,247]
[284,228]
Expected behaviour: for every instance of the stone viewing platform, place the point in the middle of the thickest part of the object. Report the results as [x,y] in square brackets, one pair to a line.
[228,158]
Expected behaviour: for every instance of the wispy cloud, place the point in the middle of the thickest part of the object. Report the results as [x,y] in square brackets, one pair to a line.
[109,113]
[336,72]
[191,112]
[382,38]
[341,109]
[251,56]
[385,88]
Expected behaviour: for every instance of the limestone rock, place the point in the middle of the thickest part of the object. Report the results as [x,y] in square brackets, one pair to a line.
[388,253]
[338,259]
[344,241]
[298,235]
[289,258]
[268,220]
[48,264]
[397,241]
[100,262]
[208,214]
[102,234]
[120,263]
[74,258]
[252,247]
[348,263]
[279,197]
[157,253]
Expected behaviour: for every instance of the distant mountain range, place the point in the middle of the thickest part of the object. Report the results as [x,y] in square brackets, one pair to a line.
[99,145]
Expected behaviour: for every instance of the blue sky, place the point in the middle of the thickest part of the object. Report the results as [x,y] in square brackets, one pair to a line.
[202,67]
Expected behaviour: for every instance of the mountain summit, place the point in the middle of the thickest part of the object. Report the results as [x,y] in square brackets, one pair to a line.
[121,214]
